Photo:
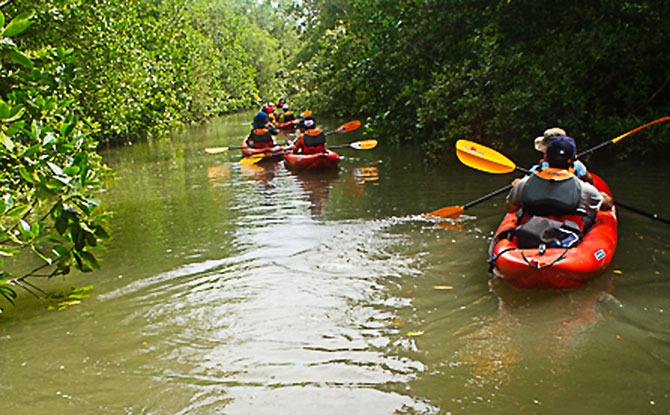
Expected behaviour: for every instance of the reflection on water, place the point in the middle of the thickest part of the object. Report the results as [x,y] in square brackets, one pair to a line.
[316,186]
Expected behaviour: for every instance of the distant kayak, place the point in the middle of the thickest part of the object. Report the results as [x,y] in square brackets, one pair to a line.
[288,125]
[275,153]
[319,161]
[556,267]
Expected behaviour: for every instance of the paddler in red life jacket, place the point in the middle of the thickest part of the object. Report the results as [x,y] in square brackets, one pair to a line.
[262,132]
[555,191]
[312,140]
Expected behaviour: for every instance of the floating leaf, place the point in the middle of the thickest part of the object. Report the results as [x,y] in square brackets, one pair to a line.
[415,333]
[618,271]
[443,287]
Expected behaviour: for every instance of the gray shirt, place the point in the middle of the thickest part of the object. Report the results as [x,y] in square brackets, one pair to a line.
[589,201]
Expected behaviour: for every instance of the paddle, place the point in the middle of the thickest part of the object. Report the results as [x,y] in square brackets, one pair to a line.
[344,128]
[653,216]
[500,164]
[217,150]
[477,154]
[356,145]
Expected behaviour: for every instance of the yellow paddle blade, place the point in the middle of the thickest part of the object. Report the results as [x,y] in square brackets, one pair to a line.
[364,145]
[451,212]
[247,161]
[216,150]
[483,158]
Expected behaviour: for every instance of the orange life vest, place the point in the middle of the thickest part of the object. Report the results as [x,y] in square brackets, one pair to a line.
[261,137]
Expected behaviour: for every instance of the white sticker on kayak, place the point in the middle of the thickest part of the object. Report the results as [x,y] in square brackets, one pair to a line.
[600,254]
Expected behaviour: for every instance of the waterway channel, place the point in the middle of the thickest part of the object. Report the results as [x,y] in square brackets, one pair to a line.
[230,289]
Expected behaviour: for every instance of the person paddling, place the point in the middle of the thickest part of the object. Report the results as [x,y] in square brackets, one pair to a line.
[555,191]
[541,143]
[286,115]
[312,140]
[262,132]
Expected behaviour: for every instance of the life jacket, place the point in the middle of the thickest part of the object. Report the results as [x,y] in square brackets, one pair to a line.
[550,216]
[288,116]
[314,137]
[551,192]
[314,141]
[261,137]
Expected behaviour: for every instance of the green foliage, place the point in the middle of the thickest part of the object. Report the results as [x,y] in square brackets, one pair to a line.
[145,67]
[49,208]
[435,71]
[77,73]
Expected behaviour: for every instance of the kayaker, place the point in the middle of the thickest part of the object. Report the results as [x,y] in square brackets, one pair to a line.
[312,140]
[269,109]
[555,191]
[541,146]
[286,115]
[262,132]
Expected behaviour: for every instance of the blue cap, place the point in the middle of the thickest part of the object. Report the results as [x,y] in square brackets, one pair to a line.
[260,120]
[561,151]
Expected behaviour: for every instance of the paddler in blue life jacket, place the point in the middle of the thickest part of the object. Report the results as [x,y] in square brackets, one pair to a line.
[312,140]
[555,191]
[262,132]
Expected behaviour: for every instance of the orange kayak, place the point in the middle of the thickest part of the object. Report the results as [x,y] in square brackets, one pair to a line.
[556,267]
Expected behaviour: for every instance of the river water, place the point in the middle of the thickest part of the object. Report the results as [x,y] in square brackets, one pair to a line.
[252,290]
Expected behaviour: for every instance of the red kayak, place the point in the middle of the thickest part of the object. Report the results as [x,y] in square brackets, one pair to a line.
[556,267]
[288,125]
[319,161]
[275,152]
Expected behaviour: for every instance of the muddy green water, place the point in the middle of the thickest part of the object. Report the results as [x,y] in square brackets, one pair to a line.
[230,290]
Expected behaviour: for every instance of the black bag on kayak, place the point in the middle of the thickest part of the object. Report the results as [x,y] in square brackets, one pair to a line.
[543,231]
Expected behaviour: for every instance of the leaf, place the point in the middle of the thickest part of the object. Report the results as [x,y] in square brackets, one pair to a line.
[18,211]
[5,251]
[55,169]
[6,141]
[8,293]
[21,59]
[27,176]
[2,19]
[18,25]
[13,114]
[67,128]
[4,109]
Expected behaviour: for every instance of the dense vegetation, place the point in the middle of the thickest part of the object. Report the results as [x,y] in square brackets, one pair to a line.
[497,72]
[77,74]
